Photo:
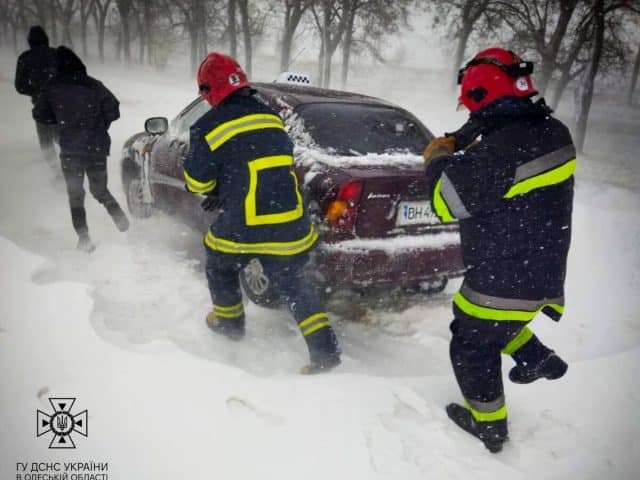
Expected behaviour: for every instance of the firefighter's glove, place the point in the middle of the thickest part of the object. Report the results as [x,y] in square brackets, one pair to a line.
[212,201]
[438,147]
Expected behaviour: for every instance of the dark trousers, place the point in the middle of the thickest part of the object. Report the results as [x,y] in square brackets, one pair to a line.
[47,137]
[285,276]
[74,168]
[476,347]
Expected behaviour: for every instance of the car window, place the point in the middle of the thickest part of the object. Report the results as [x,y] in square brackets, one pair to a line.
[358,129]
[182,123]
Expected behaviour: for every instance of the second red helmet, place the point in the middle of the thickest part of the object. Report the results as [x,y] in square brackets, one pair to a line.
[491,74]
[219,76]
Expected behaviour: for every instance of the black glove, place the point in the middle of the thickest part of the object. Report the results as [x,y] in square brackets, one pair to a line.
[212,201]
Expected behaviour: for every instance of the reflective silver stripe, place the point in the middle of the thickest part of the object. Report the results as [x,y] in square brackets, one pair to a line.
[507,303]
[448,192]
[544,163]
[487,407]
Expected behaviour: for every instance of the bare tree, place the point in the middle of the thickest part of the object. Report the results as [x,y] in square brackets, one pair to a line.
[124,9]
[86,9]
[293,12]
[634,76]
[231,28]
[100,12]
[373,20]
[540,23]
[331,21]
[67,10]
[245,19]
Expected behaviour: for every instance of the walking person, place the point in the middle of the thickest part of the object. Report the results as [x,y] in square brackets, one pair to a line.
[241,157]
[510,185]
[34,69]
[83,109]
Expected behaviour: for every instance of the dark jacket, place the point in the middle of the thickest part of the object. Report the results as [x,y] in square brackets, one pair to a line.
[512,193]
[36,66]
[240,151]
[81,106]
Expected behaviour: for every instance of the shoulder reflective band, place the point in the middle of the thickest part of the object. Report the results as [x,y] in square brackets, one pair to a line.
[219,135]
[544,171]
[487,307]
[250,202]
[266,248]
[488,411]
[196,186]
[313,323]
[233,311]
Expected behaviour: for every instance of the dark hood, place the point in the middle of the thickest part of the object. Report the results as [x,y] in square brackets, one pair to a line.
[37,37]
[68,63]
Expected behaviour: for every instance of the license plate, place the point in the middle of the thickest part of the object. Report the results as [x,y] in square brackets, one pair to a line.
[415,213]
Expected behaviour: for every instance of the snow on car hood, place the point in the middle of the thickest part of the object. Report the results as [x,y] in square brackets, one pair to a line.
[308,157]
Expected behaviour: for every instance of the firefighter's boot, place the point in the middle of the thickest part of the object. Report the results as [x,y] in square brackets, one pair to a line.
[232,328]
[493,434]
[324,351]
[551,368]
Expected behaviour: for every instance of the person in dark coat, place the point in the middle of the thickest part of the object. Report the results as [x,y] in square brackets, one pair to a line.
[83,109]
[510,186]
[241,157]
[35,68]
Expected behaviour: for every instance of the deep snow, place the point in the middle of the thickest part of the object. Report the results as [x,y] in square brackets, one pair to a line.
[122,330]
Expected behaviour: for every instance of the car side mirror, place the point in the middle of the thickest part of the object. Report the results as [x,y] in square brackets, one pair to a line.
[156,125]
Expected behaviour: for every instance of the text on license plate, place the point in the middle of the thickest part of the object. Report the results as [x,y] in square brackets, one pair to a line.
[415,213]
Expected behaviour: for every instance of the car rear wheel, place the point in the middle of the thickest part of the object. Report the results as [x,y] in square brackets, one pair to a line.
[135,200]
[258,287]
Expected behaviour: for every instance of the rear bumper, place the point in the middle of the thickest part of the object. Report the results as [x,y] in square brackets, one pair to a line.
[400,261]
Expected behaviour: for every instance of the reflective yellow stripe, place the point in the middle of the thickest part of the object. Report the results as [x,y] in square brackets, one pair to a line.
[518,341]
[440,205]
[488,313]
[222,133]
[311,319]
[552,177]
[499,414]
[267,248]
[196,186]
[233,311]
[250,203]
[556,307]
[313,323]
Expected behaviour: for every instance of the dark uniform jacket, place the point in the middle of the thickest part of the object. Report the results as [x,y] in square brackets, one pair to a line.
[81,106]
[512,193]
[36,66]
[241,151]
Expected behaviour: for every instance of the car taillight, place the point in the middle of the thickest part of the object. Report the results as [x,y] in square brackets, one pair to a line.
[341,212]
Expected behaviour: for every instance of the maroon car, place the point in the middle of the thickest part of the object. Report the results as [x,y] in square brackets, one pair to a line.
[359,164]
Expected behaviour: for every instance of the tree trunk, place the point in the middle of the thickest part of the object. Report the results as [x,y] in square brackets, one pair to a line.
[585,92]
[148,30]
[346,48]
[634,78]
[54,22]
[246,34]
[231,28]
[461,47]
[563,82]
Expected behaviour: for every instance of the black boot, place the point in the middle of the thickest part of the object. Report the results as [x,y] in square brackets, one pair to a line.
[551,368]
[232,328]
[118,216]
[493,434]
[79,221]
[324,352]
[85,244]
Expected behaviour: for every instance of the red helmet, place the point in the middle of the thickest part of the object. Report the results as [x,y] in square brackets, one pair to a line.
[218,76]
[494,73]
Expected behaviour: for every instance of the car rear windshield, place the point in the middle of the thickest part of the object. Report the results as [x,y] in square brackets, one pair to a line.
[357,129]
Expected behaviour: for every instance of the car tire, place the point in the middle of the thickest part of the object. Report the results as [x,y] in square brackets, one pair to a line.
[257,286]
[436,285]
[135,203]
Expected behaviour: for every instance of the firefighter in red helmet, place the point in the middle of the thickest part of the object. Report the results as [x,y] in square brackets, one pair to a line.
[241,158]
[510,187]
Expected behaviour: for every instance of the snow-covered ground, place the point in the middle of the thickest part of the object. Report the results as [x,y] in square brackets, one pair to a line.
[122,330]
